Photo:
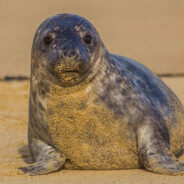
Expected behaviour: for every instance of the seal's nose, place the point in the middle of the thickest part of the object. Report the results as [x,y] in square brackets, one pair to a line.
[73,58]
[74,50]
[68,50]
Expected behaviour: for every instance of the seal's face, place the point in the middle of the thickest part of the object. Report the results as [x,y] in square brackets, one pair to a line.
[67,46]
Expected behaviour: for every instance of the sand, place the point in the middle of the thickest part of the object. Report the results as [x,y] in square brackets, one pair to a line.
[14,151]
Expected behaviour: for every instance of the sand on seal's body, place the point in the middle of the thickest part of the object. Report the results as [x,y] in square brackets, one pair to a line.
[90,109]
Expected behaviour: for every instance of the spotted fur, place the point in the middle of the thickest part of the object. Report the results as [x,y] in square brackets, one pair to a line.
[90,109]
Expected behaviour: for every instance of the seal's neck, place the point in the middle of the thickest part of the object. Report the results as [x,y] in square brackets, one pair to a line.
[98,69]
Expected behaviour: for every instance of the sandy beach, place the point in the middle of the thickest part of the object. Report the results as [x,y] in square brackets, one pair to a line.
[14,151]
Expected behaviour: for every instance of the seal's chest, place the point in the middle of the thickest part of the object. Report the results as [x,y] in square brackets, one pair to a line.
[86,131]
[81,116]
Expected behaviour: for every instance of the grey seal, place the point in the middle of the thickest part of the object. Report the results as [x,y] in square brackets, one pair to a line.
[90,109]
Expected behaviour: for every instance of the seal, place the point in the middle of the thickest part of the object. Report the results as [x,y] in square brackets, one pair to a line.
[90,109]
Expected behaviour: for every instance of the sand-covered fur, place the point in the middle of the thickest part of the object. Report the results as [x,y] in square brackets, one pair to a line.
[90,109]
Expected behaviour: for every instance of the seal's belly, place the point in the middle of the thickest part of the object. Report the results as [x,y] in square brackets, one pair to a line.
[91,136]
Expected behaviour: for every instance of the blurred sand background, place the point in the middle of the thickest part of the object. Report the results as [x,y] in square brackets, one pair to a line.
[149,31]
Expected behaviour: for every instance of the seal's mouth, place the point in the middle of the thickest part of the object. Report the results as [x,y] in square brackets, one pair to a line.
[70,71]
[68,75]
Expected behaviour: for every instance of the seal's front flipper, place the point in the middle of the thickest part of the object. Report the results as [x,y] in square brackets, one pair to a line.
[154,152]
[47,158]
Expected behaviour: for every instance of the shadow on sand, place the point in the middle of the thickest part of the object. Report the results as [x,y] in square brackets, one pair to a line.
[25,154]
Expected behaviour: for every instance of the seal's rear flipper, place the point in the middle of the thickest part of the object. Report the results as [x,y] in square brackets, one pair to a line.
[47,158]
[154,152]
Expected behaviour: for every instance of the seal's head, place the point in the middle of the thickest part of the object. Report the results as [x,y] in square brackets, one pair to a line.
[67,46]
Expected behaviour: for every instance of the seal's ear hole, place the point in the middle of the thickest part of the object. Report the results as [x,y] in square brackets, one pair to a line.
[47,40]
[88,39]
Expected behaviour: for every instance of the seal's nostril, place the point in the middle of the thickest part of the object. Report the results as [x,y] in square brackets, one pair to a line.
[73,53]
[65,53]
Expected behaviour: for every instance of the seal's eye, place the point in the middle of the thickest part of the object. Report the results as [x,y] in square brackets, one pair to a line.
[47,40]
[87,39]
